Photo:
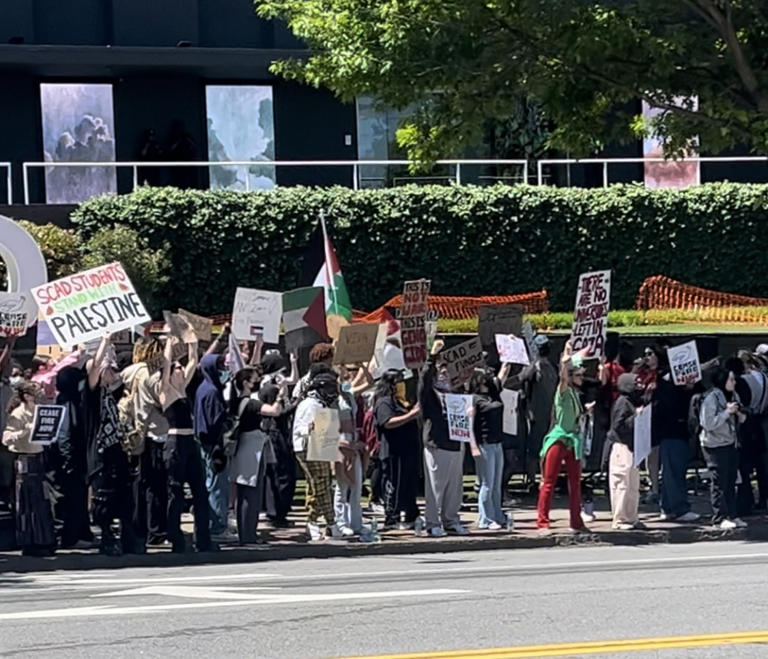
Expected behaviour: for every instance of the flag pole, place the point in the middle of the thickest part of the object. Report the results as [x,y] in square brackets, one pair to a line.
[328,273]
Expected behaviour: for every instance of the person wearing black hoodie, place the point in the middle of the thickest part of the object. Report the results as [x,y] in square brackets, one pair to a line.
[624,477]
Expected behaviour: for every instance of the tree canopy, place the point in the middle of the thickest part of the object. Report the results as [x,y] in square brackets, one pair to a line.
[584,63]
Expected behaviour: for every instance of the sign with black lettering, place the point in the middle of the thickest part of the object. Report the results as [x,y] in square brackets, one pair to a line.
[462,359]
[47,423]
[13,314]
[590,318]
[493,319]
[83,307]
[413,322]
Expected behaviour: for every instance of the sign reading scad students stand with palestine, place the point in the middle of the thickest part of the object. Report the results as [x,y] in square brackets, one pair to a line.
[590,318]
[85,306]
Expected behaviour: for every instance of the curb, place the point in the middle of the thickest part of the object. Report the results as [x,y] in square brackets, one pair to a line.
[388,547]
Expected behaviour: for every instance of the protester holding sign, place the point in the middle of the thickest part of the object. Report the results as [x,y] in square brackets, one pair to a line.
[34,519]
[443,457]
[108,469]
[564,444]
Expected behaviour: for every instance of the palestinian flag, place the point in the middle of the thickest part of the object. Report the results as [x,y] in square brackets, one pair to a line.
[321,268]
[304,321]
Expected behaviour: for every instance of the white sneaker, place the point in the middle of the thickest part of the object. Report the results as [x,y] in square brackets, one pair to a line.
[314,531]
[740,523]
[225,538]
[334,531]
[688,517]
[437,532]
[728,525]
[346,531]
[663,517]
[586,517]
[624,526]
[494,526]
[458,529]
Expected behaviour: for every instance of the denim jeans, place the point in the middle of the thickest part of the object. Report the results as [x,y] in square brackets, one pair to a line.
[675,455]
[217,485]
[489,466]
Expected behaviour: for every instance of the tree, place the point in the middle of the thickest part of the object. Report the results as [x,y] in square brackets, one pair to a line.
[585,63]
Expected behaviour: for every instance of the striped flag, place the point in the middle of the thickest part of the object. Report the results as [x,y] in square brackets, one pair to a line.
[304,317]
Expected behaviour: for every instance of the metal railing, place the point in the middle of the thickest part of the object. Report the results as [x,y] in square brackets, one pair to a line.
[627,161]
[8,180]
[355,166]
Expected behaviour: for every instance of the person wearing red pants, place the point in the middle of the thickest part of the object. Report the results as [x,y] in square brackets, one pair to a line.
[564,444]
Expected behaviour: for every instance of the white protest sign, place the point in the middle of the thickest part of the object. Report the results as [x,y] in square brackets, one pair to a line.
[684,363]
[13,314]
[47,423]
[24,263]
[511,350]
[462,359]
[590,318]
[323,443]
[85,306]
[257,312]
[642,435]
[510,399]
[377,366]
[459,422]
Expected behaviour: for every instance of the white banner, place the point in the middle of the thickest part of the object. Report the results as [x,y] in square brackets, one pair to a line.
[684,363]
[459,421]
[257,312]
[642,435]
[511,350]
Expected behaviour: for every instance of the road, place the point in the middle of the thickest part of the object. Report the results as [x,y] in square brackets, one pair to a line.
[588,598]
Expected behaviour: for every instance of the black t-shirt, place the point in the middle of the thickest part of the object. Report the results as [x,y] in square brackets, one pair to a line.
[394,440]
[250,415]
[489,420]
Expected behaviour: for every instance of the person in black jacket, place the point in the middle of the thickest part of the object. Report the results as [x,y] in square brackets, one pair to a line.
[624,477]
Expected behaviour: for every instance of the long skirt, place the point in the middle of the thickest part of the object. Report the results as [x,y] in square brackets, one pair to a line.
[34,517]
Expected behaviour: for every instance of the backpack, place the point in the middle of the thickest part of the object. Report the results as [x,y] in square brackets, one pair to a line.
[231,435]
[133,438]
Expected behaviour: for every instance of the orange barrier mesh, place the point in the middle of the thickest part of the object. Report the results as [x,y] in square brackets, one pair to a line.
[661,292]
[459,308]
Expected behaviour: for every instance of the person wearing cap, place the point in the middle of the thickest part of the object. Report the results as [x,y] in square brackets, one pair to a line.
[564,444]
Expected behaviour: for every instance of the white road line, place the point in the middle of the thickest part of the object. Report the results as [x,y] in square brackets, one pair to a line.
[266,599]
[194,592]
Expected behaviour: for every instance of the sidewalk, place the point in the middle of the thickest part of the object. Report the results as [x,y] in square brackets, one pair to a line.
[292,543]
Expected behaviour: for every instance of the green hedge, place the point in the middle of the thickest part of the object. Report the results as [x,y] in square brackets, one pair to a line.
[468,240]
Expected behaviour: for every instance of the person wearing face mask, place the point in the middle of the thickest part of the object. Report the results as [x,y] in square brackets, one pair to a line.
[720,417]
[34,517]
[398,432]
[564,444]
[210,413]
[624,477]
[322,392]
[108,468]
[73,471]
[443,458]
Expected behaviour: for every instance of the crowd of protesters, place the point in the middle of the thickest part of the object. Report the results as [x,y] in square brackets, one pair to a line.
[147,427]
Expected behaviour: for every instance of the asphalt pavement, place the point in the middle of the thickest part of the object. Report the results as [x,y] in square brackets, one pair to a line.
[703,601]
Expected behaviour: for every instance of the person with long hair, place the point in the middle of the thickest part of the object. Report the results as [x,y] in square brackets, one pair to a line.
[182,451]
[34,516]
[653,369]
[249,460]
[398,432]
[720,417]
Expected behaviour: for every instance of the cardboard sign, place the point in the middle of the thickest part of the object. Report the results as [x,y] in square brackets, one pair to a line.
[459,422]
[511,350]
[47,423]
[356,343]
[413,318]
[179,327]
[684,363]
[202,326]
[87,305]
[323,442]
[496,319]
[13,314]
[642,436]
[377,364]
[462,359]
[510,399]
[257,312]
[590,318]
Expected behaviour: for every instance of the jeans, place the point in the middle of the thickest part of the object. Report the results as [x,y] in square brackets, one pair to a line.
[346,500]
[490,466]
[723,462]
[217,485]
[675,455]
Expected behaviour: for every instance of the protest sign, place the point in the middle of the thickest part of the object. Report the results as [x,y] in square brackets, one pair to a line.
[462,359]
[431,328]
[24,263]
[47,423]
[87,305]
[511,350]
[200,324]
[590,318]
[459,421]
[323,443]
[356,343]
[256,313]
[496,319]
[642,436]
[510,399]
[179,327]
[377,364]
[13,314]
[684,363]
[529,336]
[413,319]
